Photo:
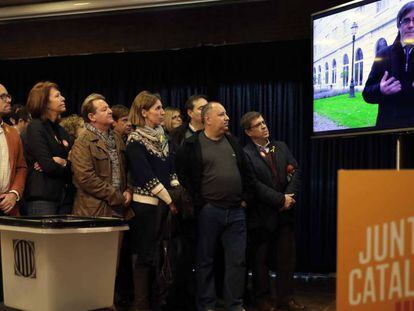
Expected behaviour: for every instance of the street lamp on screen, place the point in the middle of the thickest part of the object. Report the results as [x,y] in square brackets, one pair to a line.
[354,29]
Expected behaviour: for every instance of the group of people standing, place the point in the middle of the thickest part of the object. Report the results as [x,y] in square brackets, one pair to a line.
[133,168]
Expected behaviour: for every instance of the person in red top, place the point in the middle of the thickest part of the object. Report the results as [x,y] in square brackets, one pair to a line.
[13,169]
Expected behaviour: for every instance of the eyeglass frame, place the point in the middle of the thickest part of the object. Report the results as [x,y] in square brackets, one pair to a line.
[406,21]
[176,117]
[5,96]
[263,122]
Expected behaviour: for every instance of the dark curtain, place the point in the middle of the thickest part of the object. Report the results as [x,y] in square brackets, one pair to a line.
[274,78]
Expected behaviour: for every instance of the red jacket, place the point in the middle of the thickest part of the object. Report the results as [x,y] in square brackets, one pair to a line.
[18,167]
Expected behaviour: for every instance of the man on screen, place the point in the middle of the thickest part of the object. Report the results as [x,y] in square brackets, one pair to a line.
[391,80]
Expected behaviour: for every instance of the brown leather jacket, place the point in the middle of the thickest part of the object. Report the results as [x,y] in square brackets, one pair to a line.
[92,177]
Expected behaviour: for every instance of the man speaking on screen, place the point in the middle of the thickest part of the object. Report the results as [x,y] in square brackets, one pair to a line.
[391,80]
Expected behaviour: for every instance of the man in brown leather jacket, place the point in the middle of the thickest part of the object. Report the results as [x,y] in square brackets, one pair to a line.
[98,164]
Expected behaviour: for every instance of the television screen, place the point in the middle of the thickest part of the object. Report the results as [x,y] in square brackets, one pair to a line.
[363,68]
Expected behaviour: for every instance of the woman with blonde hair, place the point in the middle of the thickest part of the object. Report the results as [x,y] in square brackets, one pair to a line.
[152,176]
[73,124]
[172,119]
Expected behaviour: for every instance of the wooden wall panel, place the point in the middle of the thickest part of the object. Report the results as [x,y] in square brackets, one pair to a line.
[161,29]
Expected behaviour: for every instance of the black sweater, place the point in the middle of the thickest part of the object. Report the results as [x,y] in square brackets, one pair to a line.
[46,140]
[189,162]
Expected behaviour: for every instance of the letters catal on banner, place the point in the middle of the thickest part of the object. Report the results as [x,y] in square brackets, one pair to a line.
[375,240]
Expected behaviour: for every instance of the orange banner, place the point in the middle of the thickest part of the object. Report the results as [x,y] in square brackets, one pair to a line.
[375,240]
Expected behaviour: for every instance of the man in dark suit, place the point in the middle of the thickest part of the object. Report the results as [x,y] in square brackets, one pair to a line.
[194,105]
[390,82]
[182,291]
[270,216]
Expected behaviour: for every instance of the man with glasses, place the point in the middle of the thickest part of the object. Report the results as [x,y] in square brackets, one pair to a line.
[270,217]
[391,80]
[13,169]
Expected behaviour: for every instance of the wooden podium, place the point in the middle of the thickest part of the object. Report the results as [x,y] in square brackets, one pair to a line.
[375,264]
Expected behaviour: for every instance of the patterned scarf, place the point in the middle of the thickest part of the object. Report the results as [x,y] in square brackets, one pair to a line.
[153,139]
[110,144]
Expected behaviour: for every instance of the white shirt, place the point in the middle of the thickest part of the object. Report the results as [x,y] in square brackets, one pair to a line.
[4,162]
[265,147]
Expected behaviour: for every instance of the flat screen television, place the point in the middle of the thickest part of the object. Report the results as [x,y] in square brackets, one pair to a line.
[363,68]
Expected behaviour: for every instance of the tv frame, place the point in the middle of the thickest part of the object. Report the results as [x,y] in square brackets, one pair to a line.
[354,131]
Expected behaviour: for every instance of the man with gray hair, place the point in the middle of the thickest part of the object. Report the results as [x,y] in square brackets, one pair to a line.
[212,167]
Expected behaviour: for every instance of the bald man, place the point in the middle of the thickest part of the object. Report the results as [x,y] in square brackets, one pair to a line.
[212,167]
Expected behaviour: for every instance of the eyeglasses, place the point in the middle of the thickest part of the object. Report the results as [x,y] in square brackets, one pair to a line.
[5,96]
[258,124]
[406,21]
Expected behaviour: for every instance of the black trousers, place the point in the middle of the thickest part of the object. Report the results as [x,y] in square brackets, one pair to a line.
[124,284]
[275,251]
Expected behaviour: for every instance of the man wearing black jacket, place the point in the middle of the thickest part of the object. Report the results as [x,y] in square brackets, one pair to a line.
[194,105]
[182,291]
[213,168]
[390,83]
[270,217]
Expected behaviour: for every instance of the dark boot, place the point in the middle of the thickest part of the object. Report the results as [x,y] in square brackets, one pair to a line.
[141,288]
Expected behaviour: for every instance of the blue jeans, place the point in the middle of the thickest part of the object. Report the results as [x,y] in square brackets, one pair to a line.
[227,226]
[43,208]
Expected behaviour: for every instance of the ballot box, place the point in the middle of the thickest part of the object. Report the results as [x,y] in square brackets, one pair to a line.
[59,263]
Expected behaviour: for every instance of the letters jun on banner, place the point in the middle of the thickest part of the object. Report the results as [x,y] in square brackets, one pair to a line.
[375,262]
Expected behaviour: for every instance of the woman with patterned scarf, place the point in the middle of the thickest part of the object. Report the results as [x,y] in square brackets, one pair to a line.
[152,174]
